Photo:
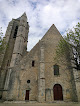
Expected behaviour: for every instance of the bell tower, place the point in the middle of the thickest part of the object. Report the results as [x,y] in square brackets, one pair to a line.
[16,39]
[21,40]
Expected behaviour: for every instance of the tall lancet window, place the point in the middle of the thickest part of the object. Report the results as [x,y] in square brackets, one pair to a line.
[33,63]
[15,32]
[56,69]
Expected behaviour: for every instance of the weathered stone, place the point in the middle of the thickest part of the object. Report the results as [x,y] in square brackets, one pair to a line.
[18,75]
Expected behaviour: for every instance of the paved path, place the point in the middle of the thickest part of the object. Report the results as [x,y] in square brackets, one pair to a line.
[22,103]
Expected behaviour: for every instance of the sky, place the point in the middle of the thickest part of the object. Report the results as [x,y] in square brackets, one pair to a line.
[41,15]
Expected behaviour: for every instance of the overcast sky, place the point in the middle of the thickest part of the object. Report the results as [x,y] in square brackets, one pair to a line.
[41,15]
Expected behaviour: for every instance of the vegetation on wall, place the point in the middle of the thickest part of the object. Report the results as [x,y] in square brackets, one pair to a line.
[69,46]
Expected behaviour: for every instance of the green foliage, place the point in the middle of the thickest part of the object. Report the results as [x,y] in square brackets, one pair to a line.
[63,48]
[2,43]
[70,43]
[74,35]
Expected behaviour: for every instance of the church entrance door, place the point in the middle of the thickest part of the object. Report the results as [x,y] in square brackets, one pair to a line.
[27,95]
[57,92]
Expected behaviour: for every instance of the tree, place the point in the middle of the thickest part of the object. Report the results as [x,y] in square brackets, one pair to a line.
[69,46]
[2,42]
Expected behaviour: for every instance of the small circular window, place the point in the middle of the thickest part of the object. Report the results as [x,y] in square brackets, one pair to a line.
[28,81]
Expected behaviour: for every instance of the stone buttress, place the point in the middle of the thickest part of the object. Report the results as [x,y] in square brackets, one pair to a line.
[41,78]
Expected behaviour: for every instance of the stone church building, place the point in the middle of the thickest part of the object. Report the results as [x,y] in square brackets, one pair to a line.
[35,75]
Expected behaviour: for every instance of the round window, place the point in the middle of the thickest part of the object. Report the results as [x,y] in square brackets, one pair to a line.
[28,81]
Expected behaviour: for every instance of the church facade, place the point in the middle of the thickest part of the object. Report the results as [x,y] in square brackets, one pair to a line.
[35,75]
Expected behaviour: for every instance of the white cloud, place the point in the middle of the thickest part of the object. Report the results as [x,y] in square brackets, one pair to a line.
[41,15]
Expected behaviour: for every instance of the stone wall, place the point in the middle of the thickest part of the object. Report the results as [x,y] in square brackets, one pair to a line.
[15,53]
[27,72]
[41,74]
[51,40]
[7,54]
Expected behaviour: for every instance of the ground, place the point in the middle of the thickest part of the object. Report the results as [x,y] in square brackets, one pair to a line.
[23,103]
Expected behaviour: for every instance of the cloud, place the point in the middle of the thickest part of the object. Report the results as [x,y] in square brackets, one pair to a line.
[41,15]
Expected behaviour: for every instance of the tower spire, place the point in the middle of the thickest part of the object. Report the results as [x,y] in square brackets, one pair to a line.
[24,14]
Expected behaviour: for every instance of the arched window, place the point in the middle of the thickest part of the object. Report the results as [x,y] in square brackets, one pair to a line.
[57,92]
[15,32]
[56,69]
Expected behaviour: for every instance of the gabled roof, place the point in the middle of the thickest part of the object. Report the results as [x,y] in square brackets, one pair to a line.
[52,32]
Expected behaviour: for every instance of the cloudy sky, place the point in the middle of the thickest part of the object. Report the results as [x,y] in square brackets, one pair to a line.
[41,15]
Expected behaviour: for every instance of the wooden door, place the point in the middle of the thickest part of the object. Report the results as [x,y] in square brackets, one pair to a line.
[27,95]
[57,90]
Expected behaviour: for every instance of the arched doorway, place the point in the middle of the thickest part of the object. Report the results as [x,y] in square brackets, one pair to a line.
[57,92]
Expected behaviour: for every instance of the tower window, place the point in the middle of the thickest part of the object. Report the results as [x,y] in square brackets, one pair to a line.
[33,63]
[8,63]
[15,32]
[56,69]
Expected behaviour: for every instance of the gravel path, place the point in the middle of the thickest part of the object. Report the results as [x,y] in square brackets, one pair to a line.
[23,103]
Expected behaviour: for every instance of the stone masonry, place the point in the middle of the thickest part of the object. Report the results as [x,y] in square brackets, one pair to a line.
[32,76]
